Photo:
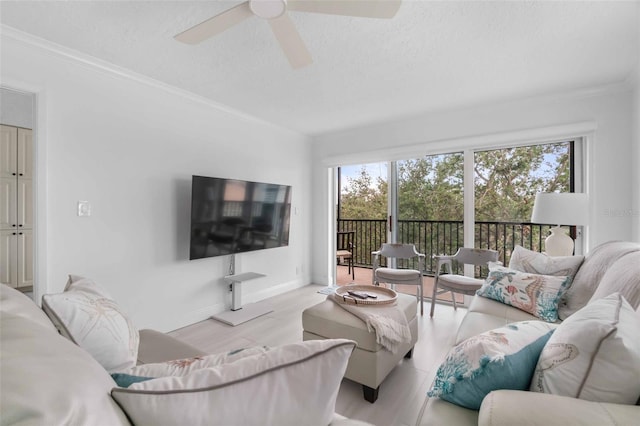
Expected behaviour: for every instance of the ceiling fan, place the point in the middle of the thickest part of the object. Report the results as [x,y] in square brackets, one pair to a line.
[275,12]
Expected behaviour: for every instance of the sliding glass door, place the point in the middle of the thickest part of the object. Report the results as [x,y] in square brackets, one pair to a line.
[362,212]
[430,201]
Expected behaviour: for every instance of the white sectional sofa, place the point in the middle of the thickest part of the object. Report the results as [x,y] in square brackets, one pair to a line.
[46,379]
[610,267]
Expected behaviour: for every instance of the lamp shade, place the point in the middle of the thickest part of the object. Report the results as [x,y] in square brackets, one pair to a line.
[566,208]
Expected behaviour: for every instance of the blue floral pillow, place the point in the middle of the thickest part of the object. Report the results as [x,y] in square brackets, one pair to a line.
[536,294]
[504,358]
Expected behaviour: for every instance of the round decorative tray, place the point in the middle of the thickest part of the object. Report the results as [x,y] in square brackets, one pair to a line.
[383,296]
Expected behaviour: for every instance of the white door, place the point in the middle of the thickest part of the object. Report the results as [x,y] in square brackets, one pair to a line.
[8,151]
[25,258]
[8,198]
[8,258]
[25,153]
[25,204]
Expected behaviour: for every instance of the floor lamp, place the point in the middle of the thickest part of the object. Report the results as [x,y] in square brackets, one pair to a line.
[566,208]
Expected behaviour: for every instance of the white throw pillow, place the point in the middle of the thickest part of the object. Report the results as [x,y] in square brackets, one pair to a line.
[622,277]
[525,260]
[596,264]
[289,385]
[86,314]
[594,354]
[182,367]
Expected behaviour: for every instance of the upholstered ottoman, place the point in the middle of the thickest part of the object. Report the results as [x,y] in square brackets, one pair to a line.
[370,363]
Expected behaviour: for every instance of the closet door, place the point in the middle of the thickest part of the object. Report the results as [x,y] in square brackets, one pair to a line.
[16,206]
[8,152]
[25,154]
[8,199]
[9,258]
[24,209]
[25,258]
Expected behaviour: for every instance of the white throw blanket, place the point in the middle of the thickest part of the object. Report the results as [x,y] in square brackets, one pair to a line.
[388,321]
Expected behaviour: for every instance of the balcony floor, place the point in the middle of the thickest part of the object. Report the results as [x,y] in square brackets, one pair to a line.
[363,276]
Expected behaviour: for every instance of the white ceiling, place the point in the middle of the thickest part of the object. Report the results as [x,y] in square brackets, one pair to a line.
[432,56]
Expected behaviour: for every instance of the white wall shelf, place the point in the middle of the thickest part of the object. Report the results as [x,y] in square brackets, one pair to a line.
[238,313]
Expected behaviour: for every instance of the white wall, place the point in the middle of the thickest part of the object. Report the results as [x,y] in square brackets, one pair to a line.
[635,78]
[129,147]
[607,110]
[635,155]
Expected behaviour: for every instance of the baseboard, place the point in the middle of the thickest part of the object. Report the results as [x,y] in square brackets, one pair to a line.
[206,312]
[273,291]
[193,317]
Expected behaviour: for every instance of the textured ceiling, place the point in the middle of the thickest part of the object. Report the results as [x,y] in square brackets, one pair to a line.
[431,56]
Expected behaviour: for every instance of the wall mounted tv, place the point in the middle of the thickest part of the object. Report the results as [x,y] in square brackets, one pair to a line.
[231,216]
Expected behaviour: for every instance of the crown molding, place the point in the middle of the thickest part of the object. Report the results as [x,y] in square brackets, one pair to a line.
[7,32]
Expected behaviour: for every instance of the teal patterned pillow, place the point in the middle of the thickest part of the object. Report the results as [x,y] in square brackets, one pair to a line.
[536,294]
[125,380]
[504,358]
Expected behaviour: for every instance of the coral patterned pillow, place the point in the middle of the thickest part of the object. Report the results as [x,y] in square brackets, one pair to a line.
[536,294]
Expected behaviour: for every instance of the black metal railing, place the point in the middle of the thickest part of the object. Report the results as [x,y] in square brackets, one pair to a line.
[442,237]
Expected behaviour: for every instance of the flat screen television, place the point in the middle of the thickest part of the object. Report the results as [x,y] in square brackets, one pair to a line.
[231,216]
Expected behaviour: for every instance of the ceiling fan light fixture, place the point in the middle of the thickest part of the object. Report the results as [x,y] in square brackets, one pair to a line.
[268,9]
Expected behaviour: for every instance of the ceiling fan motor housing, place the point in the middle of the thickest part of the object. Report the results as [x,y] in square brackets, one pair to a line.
[268,9]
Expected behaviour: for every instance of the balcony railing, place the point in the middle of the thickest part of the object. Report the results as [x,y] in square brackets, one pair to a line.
[442,237]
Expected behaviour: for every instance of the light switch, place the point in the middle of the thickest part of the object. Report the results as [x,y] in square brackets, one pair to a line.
[84,208]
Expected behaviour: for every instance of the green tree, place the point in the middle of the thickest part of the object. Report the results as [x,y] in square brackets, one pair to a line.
[363,199]
[431,188]
[507,180]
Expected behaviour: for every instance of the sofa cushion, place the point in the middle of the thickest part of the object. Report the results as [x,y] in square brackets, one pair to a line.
[504,358]
[182,367]
[622,277]
[509,408]
[47,380]
[539,263]
[17,303]
[160,347]
[289,385]
[587,279]
[87,315]
[594,354]
[536,294]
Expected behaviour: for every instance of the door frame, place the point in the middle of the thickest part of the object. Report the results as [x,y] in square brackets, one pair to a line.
[40,284]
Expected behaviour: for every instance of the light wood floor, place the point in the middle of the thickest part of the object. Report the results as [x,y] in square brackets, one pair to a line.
[401,394]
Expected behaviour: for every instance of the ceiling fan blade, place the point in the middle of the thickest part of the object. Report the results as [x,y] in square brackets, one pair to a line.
[290,41]
[216,25]
[362,8]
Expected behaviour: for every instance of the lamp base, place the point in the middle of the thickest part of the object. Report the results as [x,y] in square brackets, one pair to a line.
[558,243]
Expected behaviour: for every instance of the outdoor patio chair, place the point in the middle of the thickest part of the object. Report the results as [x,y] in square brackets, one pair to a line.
[345,245]
[459,283]
[399,276]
